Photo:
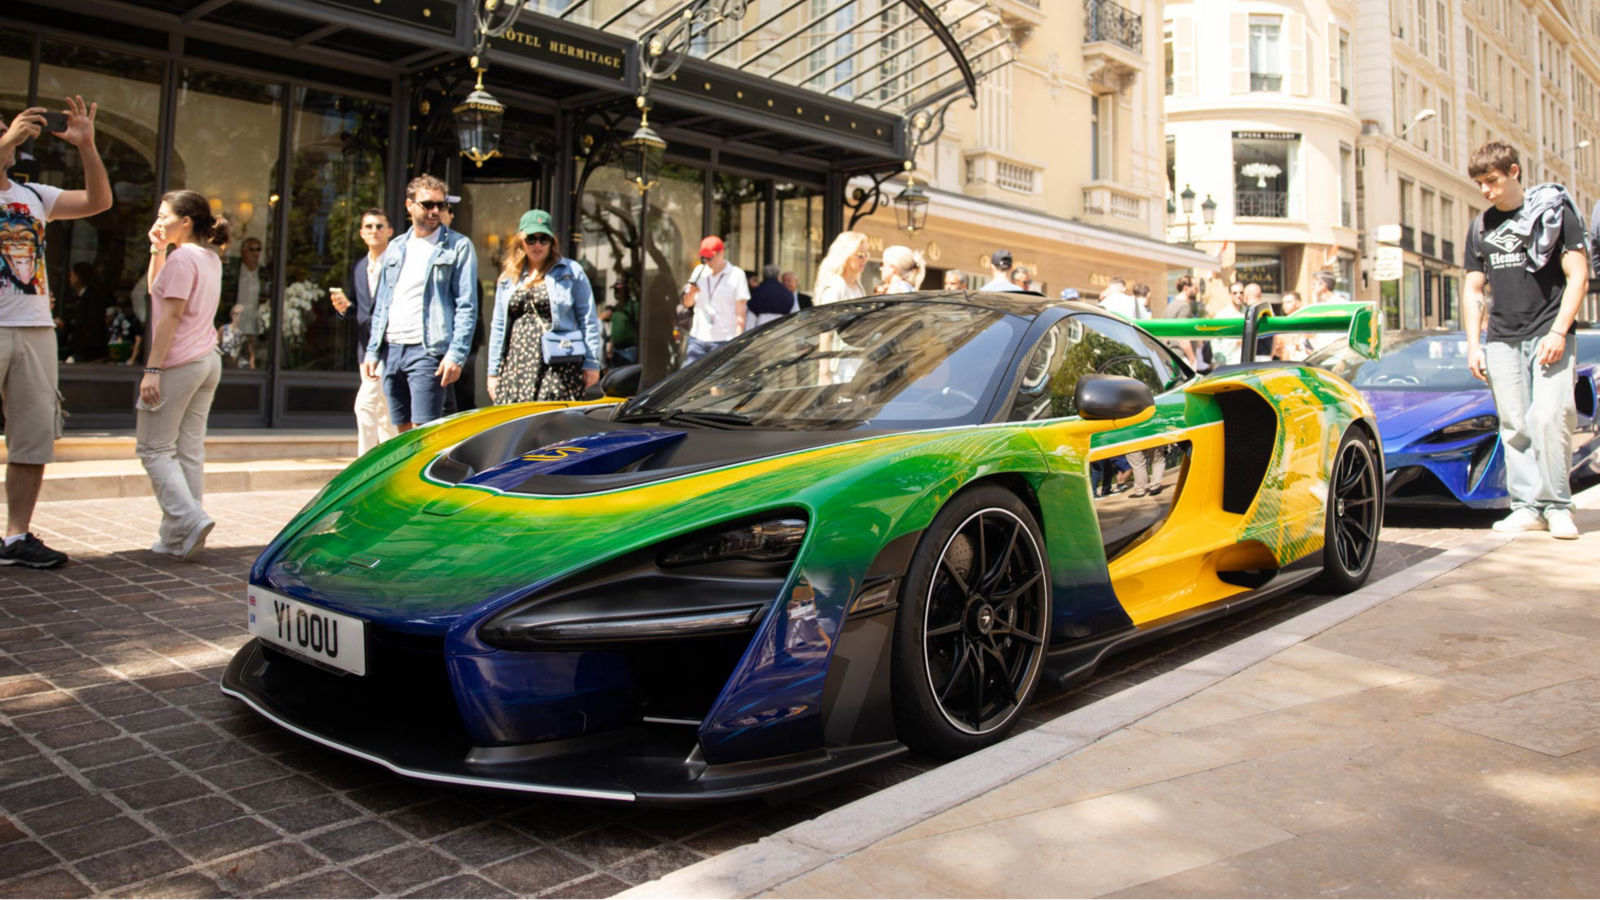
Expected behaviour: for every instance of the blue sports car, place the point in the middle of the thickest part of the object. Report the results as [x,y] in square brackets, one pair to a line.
[1441,437]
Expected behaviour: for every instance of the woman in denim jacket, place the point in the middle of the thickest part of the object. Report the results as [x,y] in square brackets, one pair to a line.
[542,292]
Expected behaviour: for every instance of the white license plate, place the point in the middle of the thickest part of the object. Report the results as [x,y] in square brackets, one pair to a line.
[309,631]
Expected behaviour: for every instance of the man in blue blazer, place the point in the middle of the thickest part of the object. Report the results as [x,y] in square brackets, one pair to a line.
[372,410]
[425,310]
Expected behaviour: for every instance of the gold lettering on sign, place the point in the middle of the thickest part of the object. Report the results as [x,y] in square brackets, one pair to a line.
[561,48]
[1099,279]
[933,252]
[875,244]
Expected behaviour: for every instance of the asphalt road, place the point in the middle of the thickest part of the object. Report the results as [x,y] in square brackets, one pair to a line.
[123,771]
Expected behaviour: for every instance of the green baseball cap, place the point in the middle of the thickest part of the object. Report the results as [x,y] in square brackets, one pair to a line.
[535,221]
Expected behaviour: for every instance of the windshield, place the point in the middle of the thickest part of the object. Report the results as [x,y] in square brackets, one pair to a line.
[1410,362]
[870,364]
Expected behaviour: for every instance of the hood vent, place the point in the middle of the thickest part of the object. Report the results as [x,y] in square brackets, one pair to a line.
[601,453]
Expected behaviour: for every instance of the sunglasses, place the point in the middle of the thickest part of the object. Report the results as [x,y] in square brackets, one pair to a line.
[861,256]
[431,205]
[538,239]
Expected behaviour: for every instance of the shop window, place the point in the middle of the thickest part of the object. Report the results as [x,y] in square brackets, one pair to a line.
[1389,301]
[336,173]
[1411,299]
[226,147]
[738,216]
[1264,175]
[799,247]
[107,253]
[1263,268]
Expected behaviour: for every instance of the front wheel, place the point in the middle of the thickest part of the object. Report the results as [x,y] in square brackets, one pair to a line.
[973,625]
[1354,515]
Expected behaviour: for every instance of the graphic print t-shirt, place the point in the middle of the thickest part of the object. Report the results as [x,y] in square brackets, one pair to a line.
[24,288]
[1525,303]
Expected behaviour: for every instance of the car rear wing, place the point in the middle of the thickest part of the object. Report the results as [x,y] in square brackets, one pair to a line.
[1363,329]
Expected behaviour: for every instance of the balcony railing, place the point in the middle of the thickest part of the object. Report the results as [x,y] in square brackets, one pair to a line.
[1261,204]
[1106,20]
[1113,201]
[1427,244]
[1408,237]
[1448,251]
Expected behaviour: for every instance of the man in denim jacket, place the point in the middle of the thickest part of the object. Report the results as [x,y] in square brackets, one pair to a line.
[423,318]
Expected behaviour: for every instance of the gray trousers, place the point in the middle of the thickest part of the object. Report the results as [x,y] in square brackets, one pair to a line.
[1537,415]
[171,442]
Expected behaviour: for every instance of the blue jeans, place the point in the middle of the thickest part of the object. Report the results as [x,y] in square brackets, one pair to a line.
[410,384]
[1537,413]
[699,348]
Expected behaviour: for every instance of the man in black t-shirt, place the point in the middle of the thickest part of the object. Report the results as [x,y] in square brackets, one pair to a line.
[1529,248]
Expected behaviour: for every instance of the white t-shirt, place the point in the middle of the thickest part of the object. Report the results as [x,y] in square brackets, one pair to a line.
[834,289]
[716,312]
[405,310]
[24,286]
[1124,305]
[249,299]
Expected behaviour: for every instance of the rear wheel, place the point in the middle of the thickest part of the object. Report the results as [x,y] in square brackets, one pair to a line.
[1354,515]
[973,625]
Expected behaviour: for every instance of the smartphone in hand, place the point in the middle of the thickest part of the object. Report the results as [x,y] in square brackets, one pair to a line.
[55,122]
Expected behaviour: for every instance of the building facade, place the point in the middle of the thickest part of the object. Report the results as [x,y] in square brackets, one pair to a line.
[295,116]
[1360,116]
[1262,121]
[1060,161]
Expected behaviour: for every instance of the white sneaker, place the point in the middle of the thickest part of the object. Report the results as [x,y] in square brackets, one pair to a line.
[1560,523]
[197,538]
[1520,520]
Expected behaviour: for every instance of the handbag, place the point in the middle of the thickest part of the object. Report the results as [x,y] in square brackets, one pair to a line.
[562,347]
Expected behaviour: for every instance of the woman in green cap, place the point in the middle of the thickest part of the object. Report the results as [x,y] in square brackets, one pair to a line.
[544,341]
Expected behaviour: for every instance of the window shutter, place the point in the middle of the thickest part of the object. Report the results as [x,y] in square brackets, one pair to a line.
[1296,46]
[1239,42]
[1333,62]
[1183,72]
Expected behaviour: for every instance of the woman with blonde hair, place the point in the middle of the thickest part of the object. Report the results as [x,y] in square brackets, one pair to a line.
[544,340]
[903,269]
[839,276]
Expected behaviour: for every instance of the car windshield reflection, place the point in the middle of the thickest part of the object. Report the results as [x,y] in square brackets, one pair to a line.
[873,364]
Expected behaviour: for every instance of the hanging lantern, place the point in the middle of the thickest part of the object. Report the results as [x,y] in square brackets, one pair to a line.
[911,207]
[478,120]
[641,154]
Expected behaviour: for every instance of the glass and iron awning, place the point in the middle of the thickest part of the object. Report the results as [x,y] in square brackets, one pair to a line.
[893,56]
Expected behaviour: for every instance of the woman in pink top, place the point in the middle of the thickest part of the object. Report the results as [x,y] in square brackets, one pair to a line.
[181,375]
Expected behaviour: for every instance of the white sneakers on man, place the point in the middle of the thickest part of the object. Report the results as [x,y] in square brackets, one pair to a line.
[1523,519]
[1560,523]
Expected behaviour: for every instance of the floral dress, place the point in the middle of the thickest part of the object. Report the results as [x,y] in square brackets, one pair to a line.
[524,377]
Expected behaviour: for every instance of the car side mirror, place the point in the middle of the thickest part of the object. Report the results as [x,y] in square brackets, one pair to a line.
[623,381]
[1366,333]
[1111,397]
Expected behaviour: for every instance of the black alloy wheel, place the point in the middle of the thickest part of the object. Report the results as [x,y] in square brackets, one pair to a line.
[973,625]
[1354,515]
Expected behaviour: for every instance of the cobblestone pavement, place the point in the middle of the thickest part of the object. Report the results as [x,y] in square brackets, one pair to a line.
[124,772]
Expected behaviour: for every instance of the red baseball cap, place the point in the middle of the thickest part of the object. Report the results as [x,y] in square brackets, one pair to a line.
[710,247]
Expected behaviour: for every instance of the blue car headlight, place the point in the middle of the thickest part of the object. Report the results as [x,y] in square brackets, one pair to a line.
[1477,426]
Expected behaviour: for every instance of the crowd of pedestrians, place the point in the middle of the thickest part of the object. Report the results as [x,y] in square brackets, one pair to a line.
[417,308]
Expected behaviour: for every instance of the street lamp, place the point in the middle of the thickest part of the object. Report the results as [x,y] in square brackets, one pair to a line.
[642,153]
[911,207]
[1208,212]
[1422,115]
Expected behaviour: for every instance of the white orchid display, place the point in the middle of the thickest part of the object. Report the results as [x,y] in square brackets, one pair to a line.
[298,300]
[1260,172]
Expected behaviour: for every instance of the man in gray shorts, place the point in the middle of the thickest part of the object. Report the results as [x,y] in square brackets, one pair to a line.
[27,331]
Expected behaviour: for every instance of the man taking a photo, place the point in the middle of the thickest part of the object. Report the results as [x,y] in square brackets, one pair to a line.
[28,369]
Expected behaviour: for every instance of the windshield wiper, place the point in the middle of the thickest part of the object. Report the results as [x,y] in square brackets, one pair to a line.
[688,417]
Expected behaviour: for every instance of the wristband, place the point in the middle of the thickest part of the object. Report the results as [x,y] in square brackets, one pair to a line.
[152,370]
[154,249]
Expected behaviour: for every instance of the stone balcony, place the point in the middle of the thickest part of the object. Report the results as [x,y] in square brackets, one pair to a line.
[997,175]
[1114,206]
[1113,45]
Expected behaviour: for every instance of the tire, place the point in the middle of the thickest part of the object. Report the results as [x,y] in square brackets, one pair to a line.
[969,651]
[1354,515]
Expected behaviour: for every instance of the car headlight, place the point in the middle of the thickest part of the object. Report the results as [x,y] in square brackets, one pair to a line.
[774,540]
[1469,427]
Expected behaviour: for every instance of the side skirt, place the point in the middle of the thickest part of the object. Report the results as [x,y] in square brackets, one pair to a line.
[1073,662]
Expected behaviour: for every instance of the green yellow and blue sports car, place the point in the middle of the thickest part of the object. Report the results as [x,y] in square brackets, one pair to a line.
[866,527]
